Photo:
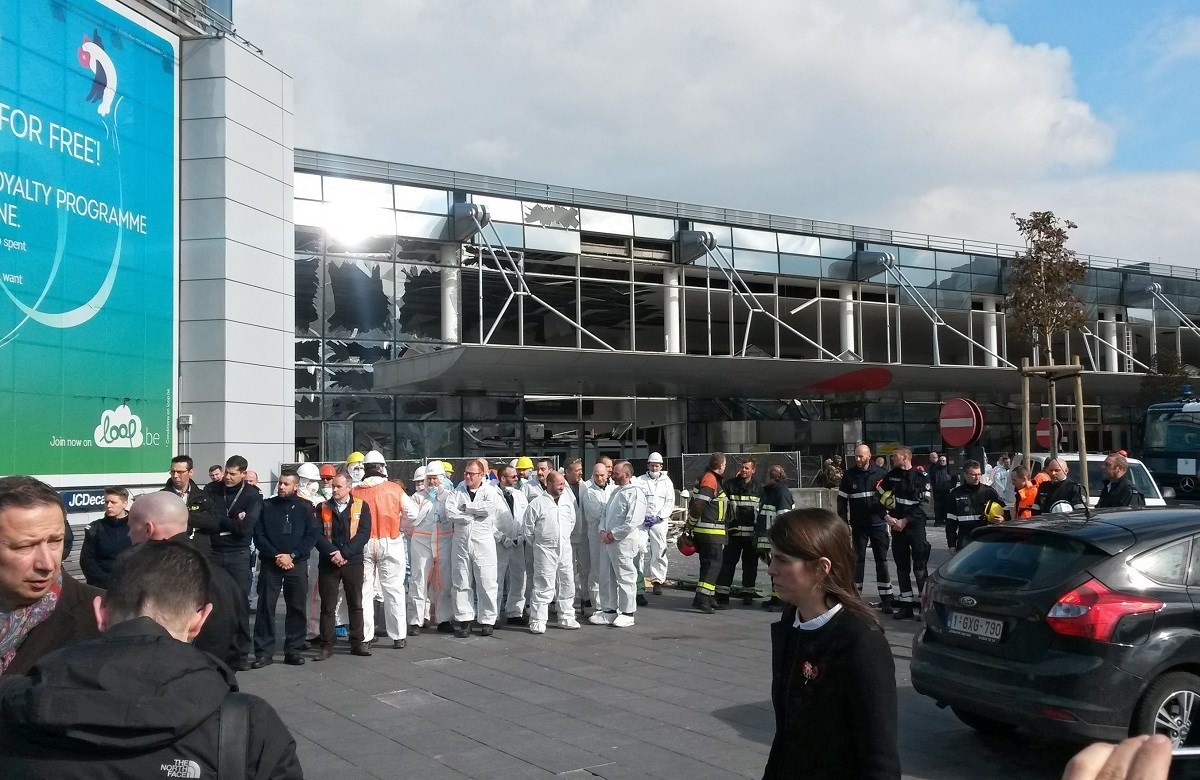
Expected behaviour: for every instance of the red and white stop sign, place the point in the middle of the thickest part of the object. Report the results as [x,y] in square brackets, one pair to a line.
[961,422]
[1043,432]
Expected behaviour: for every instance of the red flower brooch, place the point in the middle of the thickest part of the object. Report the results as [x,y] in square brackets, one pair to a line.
[810,672]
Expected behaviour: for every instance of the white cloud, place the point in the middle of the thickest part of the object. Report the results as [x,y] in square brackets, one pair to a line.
[915,115]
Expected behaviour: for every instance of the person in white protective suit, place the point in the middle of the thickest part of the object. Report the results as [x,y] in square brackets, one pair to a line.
[660,500]
[536,484]
[474,507]
[430,542]
[593,498]
[622,533]
[384,558]
[510,548]
[549,521]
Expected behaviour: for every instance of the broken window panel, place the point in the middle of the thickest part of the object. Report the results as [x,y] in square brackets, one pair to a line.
[308,351]
[418,303]
[357,352]
[359,407]
[308,378]
[349,379]
[359,297]
[308,296]
[308,406]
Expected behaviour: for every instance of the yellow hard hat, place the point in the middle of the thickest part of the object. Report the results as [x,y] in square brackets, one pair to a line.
[524,462]
[355,457]
[887,499]
[993,512]
[448,466]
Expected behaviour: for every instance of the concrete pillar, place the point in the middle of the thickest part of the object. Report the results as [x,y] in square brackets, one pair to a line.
[672,321]
[1108,334]
[846,294]
[990,332]
[449,256]
[237,266]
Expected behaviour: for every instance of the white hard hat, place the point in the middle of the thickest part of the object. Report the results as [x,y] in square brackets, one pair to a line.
[308,471]
[655,457]
[1061,507]
[374,456]
[419,474]
[435,470]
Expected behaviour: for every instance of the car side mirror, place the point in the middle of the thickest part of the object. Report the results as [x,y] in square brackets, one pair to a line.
[1168,492]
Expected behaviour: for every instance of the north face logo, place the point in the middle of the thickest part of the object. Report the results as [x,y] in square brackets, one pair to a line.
[181,768]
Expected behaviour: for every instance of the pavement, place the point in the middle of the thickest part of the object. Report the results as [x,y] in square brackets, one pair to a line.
[679,695]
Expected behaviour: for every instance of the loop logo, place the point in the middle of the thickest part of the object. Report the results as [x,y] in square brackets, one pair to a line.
[119,427]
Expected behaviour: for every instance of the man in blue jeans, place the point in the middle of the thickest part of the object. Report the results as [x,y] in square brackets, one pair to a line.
[238,506]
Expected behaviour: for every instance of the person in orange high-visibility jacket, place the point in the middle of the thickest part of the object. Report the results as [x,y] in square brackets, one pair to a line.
[384,558]
[706,524]
[345,529]
[1025,490]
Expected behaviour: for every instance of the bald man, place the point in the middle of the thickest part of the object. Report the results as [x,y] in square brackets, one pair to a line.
[164,515]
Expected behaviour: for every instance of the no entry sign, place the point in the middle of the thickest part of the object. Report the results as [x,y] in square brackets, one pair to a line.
[1043,432]
[961,422]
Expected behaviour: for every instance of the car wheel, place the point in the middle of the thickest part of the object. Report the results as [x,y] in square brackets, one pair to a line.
[1170,707]
[983,724]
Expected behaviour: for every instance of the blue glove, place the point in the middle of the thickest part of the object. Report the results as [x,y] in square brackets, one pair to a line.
[651,521]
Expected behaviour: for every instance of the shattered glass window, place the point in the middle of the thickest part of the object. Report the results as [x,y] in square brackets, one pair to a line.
[551,215]
[349,379]
[358,302]
[418,303]
[360,407]
[308,296]
[357,352]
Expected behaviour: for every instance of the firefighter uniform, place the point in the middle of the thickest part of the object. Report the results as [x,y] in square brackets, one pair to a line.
[905,490]
[743,496]
[706,523]
[966,510]
[858,504]
[776,499]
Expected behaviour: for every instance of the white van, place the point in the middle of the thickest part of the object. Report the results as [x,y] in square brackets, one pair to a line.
[1142,481]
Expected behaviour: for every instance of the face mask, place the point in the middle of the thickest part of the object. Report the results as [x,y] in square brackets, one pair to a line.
[327,492]
[433,491]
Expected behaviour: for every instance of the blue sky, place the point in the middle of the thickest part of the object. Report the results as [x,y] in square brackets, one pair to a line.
[1135,62]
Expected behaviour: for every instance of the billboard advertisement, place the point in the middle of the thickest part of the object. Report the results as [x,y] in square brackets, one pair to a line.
[88,240]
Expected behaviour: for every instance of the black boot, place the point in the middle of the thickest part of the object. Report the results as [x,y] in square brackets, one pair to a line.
[464,629]
[721,601]
[885,604]
[704,604]
[904,611]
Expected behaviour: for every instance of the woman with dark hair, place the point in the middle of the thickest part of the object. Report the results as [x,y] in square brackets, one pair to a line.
[834,681]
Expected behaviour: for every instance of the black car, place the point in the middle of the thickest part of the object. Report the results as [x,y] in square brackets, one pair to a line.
[1070,627]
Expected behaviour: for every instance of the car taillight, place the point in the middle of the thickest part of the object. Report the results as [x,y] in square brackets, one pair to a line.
[1092,610]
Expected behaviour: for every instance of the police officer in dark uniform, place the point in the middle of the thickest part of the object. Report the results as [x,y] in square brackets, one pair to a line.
[903,490]
[744,492]
[858,504]
[968,506]
[775,499]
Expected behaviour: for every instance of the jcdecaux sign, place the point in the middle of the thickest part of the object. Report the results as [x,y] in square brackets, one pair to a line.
[88,194]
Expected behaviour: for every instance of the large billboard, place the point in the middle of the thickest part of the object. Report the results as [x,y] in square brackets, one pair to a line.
[88,205]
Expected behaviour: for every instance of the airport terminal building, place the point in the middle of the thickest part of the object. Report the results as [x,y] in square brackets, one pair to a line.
[179,278]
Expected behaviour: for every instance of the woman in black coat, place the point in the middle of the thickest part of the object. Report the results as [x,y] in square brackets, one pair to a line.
[833,678]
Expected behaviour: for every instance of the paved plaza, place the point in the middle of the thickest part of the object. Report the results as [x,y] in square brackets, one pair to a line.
[680,695]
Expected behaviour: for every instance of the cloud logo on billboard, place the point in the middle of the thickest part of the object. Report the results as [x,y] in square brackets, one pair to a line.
[119,427]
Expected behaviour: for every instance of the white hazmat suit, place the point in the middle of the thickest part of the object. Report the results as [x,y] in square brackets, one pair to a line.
[430,545]
[660,501]
[510,551]
[588,554]
[549,522]
[473,570]
[624,518]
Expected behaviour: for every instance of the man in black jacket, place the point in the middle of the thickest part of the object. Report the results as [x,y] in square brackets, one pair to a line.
[238,506]
[744,492]
[903,491]
[106,538]
[858,505]
[1118,487]
[969,504]
[163,517]
[284,537]
[138,700]
[202,520]
[345,530]
[1058,494]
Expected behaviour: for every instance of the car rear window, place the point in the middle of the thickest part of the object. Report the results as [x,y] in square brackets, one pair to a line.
[1021,561]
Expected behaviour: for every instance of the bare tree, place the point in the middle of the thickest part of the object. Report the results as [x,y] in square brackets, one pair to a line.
[1041,297]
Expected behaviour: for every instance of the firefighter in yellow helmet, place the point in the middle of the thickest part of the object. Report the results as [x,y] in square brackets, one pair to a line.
[967,507]
[354,466]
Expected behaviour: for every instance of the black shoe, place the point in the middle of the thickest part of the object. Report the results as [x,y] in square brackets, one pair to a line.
[464,630]
[720,602]
[520,620]
[641,600]
[324,654]
[587,604]
[399,644]
[361,650]
[261,661]
[707,607]
[414,630]
[445,627]
[904,612]
[748,601]
[885,605]
[485,630]
[294,660]
[314,643]
[242,665]
[657,588]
